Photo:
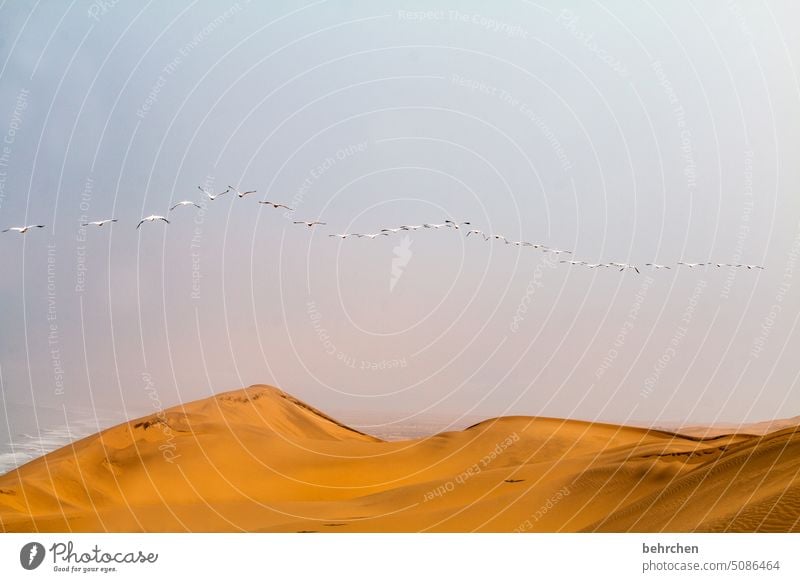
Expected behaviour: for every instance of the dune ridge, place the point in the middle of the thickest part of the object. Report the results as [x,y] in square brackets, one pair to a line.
[258,459]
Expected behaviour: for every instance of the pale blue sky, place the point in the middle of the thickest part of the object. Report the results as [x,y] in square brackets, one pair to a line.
[623,131]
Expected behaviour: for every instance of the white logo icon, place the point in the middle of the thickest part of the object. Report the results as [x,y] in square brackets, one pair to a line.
[402,256]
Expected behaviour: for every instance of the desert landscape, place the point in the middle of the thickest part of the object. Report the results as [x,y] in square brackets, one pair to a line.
[259,460]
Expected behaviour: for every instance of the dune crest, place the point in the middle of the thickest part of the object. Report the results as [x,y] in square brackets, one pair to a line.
[258,459]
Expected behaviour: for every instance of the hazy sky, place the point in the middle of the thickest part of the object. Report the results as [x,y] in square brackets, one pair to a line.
[623,131]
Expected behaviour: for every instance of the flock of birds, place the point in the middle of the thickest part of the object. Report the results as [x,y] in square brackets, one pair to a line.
[488,237]
[447,224]
[211,196]
[183,203]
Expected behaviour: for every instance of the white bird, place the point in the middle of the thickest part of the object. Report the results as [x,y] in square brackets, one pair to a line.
[309,224]
[657,266]
[342,236]
[436,226]
[751,266]
[691,265]
[410,226]
[99,222]
[500,236]
[151,218]
[480,232]
[211,196]
[275,205]
[391,230]
[24,229]
[626,266]
[454,224]
[574,262]
[185,203]
[241,194]
[377,234]
[556,251]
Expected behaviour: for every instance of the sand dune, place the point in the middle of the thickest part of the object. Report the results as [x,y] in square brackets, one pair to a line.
[259,460]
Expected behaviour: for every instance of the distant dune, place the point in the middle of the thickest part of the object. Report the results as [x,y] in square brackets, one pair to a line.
[752,428]
[259,460]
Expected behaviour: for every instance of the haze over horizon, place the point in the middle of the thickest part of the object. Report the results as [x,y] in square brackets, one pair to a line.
[621,133]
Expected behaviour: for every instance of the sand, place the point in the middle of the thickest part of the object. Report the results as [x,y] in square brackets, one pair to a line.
[259,460]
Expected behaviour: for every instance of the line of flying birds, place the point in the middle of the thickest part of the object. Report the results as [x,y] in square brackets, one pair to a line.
[157,217]
[487,237]
[447,224]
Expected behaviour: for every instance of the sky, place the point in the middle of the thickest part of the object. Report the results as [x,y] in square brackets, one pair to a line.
[628,132]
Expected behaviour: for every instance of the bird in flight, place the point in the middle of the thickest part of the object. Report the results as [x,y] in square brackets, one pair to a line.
[99,222]
[310,224]
[241,194]
[410,226]
[657,266]
[500,236]
[212,196]
[391,230]
[751,266]
[574,262]
[23,229]
[275,205]
[480,232]
[377,234]
[454,224]
[185,203]
[342,236]
[151,218]
[556,251]
[691,265]
[625,266]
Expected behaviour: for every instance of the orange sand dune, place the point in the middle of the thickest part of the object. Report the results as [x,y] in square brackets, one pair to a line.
[259,460]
